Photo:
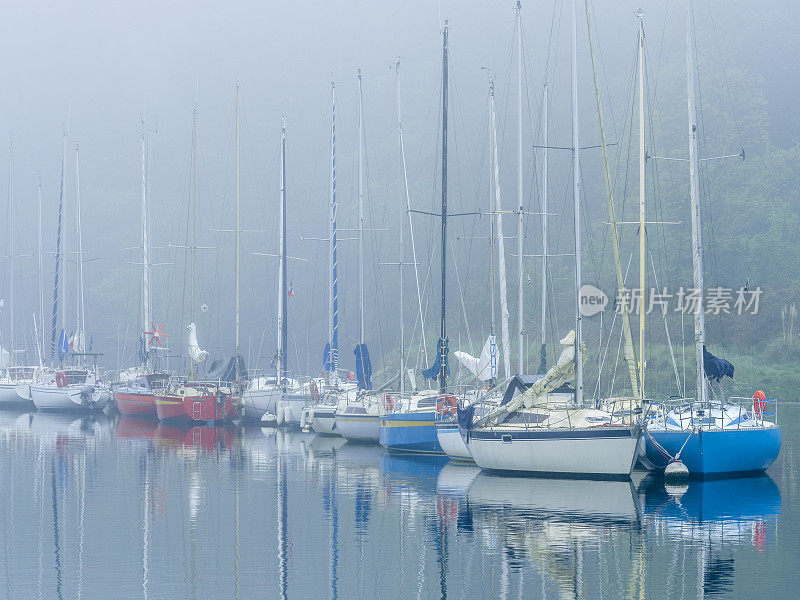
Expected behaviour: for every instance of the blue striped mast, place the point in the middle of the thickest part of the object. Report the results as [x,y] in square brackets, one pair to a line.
[332,350]
[54,326]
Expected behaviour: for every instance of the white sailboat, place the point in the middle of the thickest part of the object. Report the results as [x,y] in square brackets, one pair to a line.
[78,387]
[548,429]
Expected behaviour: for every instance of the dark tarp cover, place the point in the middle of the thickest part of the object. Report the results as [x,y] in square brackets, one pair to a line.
[716,368]
[465,416]
[363,367]
[441,349]
[543,360]
[518,383]
[142,349]
[233,370]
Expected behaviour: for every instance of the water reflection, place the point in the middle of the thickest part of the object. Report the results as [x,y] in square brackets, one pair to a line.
[133,508]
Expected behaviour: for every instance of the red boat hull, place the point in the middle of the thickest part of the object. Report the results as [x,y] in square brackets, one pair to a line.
[136,404]
[192,409]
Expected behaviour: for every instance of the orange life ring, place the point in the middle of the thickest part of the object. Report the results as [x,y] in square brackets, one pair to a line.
[388,402]
[313,390]
[759,403]
[446,404]
[61,379]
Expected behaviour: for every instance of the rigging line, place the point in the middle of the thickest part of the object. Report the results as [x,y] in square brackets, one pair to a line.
[725,75]
[666,328]
[460,293]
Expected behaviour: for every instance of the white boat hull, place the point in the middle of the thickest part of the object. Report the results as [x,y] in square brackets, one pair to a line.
[358,427]
[9,395]
[320,418]
[68,398]
[452,443]
[609,452]
[289,408]
[257,402]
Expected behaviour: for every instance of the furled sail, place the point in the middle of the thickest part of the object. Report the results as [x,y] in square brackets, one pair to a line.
[196,353]
[556,376]
[363,367]
[483,368]
[433,371]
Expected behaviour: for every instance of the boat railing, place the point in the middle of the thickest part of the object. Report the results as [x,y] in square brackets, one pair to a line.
[688,413]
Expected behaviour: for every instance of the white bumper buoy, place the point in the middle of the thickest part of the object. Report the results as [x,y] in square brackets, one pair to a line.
[279,415]
[676,472]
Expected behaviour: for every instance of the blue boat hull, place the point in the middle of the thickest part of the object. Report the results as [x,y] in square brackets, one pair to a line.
[409,432]
[716,451]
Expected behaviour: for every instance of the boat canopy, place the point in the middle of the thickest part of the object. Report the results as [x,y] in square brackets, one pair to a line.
[233,370]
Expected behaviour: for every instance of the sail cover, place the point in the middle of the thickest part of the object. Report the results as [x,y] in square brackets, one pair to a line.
[441,350]
[483,368]
[196,353]
[363,367]
[716,368]
[330,359]
[233,370]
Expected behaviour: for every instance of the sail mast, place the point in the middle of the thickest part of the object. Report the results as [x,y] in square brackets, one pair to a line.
[442,346]
[79,343]
[697,231]
[145,254]
[520,208]
[360,215]
[333,300]
[282,289]
[543,352]
[576,189]
[193,208]
[640,15]
[236,319]
[11,244]
[59,260]
[40,338]
[401,248]
[408,212]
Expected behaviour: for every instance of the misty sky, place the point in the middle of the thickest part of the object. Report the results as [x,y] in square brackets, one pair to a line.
[107,65]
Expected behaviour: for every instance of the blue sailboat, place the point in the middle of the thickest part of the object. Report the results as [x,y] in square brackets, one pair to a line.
[710,434]
[411,425]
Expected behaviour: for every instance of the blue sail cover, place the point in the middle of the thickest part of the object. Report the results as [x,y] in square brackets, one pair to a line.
[433,371]
[330,360]
[142,350]
[63,345]
[363,367]
[716,368]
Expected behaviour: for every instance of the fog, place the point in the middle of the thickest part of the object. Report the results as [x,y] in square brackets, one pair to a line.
[94,71]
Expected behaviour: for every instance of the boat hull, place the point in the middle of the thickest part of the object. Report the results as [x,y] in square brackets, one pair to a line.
[291,406]
[9,395]
[594,452]
[410,432]
[452,442]
[136,404]
[259,401]
[716,451]
[195,408]
[68,398]
[321,418]
[358,427]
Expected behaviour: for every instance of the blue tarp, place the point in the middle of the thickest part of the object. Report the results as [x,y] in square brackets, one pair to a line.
[63,345]
[716,368]
[433,371]
[363,367]
[328,362]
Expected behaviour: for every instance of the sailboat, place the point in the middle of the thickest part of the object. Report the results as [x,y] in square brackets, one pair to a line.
[411,425]
[549,428]
[331,392]
[710,434]
[357,417]
[136,397]
[79,386]
[217,397]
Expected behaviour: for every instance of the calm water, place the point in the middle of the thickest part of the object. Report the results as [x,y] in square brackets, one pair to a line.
[133,509]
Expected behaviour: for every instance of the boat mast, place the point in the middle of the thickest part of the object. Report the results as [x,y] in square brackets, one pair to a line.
[79,333]
[408,212]
[543,352]
[145,256]
[360,215]
[237,234]
[59,259]
[282,289]
[520,208]
[40,338]
[640,16]
[697,230]
[333,300]
[401,249]
[442,346]
[193,203]
[11,244]
[576,190]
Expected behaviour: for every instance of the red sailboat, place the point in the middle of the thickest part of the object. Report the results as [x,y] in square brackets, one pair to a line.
[137,397]
[198,402]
